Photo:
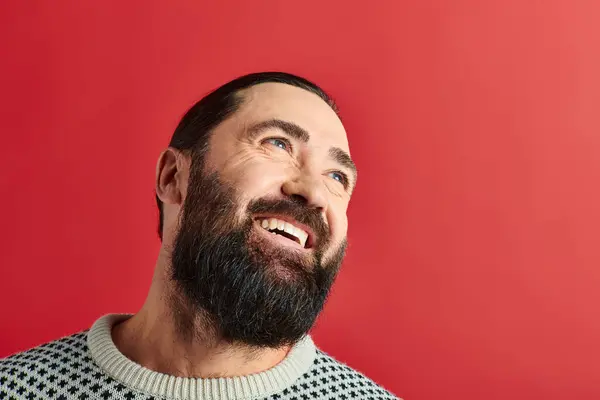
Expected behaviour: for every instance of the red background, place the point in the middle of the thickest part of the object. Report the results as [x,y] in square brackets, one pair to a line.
[473,266]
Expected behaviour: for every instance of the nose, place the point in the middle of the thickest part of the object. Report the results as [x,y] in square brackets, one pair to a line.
[308,190]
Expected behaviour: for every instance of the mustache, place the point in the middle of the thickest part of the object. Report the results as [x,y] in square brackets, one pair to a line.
[296,209]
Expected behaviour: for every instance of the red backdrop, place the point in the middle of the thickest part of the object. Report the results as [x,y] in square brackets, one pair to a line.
[473,264]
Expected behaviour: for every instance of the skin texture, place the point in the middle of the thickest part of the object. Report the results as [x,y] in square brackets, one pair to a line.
[303,156]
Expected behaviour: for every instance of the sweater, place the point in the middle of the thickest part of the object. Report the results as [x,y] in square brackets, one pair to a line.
[88,365]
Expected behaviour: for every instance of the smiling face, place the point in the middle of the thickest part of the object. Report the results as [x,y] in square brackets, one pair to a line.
[287,143]
[262,231]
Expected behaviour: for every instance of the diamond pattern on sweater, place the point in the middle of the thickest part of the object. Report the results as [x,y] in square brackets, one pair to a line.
[64,370]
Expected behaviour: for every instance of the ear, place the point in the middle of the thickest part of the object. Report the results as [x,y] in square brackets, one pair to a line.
[172,172]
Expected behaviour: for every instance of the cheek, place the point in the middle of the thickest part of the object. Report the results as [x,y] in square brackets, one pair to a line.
[336,240]
[339,225]
[341,229]
[257,176]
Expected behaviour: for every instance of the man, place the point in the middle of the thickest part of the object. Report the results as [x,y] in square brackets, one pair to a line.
[252,195]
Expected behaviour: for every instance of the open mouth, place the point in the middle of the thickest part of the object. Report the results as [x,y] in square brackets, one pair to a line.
[287,230]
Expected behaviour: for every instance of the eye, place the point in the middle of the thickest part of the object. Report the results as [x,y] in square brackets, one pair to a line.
[282,143]
[340,177]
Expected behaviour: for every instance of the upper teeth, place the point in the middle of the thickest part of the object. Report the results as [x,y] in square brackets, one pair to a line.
[274,223]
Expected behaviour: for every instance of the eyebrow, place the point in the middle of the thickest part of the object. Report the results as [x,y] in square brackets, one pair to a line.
[290,128]
[297,132]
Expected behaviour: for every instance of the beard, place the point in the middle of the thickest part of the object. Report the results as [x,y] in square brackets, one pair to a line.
[234,281]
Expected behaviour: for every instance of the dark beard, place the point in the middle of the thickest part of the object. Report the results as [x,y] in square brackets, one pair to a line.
[239,287]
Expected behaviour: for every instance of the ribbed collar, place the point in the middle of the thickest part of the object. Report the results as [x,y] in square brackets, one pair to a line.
[115,364]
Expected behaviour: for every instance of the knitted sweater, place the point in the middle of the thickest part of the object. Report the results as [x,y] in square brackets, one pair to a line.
[88,365]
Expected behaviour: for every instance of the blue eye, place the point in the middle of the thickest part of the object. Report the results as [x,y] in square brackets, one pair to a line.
[281,143]
[340,177]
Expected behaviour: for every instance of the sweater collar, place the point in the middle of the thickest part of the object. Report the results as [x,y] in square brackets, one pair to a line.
[106,355]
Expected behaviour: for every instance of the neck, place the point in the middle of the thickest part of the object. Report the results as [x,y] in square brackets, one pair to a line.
[157,339]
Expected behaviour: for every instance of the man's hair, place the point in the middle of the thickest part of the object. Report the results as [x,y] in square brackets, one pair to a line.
[193,132]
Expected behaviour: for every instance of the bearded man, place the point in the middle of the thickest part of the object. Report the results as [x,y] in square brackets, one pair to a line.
[252,195]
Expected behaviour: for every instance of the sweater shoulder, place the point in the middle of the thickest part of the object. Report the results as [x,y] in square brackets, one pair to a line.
[73,346]
[51,359]
[343,380]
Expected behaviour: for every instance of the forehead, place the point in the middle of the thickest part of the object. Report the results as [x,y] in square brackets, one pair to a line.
[293,104]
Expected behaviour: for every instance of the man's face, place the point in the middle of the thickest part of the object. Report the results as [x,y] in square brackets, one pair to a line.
[263,226]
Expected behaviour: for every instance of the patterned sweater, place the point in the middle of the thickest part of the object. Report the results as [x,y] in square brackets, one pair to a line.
[88,365]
